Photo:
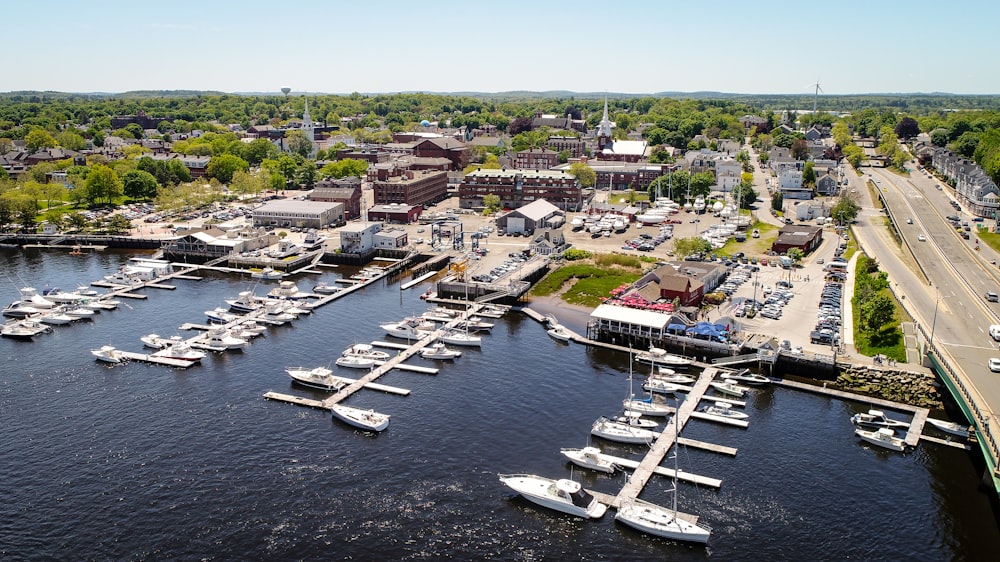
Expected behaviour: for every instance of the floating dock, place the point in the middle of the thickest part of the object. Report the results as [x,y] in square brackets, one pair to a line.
[149,358]
[417,280]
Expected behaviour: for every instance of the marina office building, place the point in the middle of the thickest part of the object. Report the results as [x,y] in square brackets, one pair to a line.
[302,214]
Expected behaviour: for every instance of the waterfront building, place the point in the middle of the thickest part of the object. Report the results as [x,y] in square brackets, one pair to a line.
[358,238]
[303,214]
[410,187]
[518,187]
[538,214]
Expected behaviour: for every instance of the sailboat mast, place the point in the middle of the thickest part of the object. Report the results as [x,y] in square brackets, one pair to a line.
[676,434]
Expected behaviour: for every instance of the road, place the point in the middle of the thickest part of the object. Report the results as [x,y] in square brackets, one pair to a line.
[943,283]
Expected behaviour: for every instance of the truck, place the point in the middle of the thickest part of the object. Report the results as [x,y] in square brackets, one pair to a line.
[786,262]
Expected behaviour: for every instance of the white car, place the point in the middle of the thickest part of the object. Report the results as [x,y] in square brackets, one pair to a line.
[995,332]
[994,364]
[909,221]
[921,238]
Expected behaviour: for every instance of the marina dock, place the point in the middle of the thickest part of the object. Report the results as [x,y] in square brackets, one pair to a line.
[152,358]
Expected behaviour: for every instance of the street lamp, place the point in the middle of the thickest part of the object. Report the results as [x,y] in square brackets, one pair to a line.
[937,301]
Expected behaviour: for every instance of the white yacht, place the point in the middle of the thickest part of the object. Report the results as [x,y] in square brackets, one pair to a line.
[316,377]
[245,302]
[728,387]
[285,290]
[724,410]
[746,377]
[646,406]
[875,419]
[108,354]
[355,362]
[30,295]
[55,317]
[180,350]
[23,329]
[882,437]
[365,350]
[458,337]
[325,288]
[589,457]
[220,315]
[658,356]
[439,351]
[369,420]
[559,333]
[659,385]
[267,274]
[275,314]
[154,341]
[411,328]
[220,337]
[20,309]
[661,521]
[621,432]
[669,375]
[562,495]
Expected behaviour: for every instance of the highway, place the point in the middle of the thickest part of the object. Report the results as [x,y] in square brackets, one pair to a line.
[940,279]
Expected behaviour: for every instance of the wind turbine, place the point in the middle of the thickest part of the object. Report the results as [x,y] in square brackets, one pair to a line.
[816,95]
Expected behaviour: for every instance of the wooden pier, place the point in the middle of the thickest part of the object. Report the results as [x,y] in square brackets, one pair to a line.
[663,471]
[153,358]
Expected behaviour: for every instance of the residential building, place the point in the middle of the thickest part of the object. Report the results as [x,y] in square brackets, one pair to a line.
[410,187]
[518,187]
[536,159]
[624,151]
[548,241]
[974,189]
[576,147]
[728,173]
[346,191]
[827,184]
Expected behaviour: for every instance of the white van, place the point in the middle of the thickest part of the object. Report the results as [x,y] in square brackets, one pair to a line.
[995,332]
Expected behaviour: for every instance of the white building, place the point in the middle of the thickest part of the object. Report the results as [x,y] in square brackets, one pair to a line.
[358,238]
[390,239]
[728,173]
[304,214]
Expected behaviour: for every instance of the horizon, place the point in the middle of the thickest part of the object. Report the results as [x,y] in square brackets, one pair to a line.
[779,48]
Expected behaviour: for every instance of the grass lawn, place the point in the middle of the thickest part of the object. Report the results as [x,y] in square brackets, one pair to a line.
[590,282]
[753,246]
[622,198]
[888,340]
[991,239]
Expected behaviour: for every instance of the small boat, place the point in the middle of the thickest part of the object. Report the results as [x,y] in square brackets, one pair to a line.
[30,295]
[669,375]
[621,432]
[154,341]
[658,356]
[220,315]
[220,337]
[275,314]
[728,387]
[661,521]
[286,290]
[245,302]
[78,312]
[562,495]
[724,410]
[875,419]
[56,295]
[492,311]
[443,312]
[747,377]
[440,352]
[369,420]
[474,325]
[559,332]
[634,419]
[325,289]
[267,274]
[658,385]
[85,291]
[882,437]
[251,328]
[355,362]
[411,328]
[108,354]
[317,377]
[950,428]
[23,329]
[365,350]
[646,407]
[55,317]
[456,337]
[180,350]
[589,457]
[20,309]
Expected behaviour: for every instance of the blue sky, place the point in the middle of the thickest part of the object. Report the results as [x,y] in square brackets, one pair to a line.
[778,46]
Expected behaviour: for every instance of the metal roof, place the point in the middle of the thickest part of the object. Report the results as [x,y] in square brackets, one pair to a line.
[645,318]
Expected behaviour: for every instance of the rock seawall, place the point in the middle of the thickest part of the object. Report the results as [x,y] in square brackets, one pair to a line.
[908,387]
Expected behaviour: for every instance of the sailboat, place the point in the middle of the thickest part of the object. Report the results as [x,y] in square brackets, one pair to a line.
[645,406]
[661,521]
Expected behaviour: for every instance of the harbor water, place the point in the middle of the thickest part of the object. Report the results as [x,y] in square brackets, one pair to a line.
[145,462]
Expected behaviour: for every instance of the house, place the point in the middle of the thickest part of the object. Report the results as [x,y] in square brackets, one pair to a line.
[805,238]
[535,215]
[548,241]
[790,178]
[814,134]
[749,121]
[974,189]
[622,176]
[358,238]
[454,150]
[576,147]
[728,174]
[302,214]
[827,185]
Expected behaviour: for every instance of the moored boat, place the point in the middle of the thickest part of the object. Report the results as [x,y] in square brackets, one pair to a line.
[409,328]
[589,457]
[882,437]
[669,375]
[180,350]
[440,352]
[369,420]
[456,337]
[634,419]
[220,337]
[658,356]
[728,387]
[661,521]
[355,362]
[950,428]
[747,377]
[724,410]
[24,329]
[267,274]
[562,495]
[874,419]
[658,385]
[365,350]
[621,432]
[108,354]
[325,289]
[559,332]
[316,377]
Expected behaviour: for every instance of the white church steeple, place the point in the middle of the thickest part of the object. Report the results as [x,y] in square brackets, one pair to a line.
[307,129]
[604,137]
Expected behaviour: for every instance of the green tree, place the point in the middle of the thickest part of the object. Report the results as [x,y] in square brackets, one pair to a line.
[777,201]
[746,195]
[855,155]
[491,202]
[877,311]
[800,149]
[117,224]
[701,184]
[344,168]
[102,184]
[223,167]
[298,143]
[37,139]
[841,134]
[139,184]
[76,220]
[257,150]
[845,210]
[809,175]
[71,140]
[246,184]
[583,173]
[684,247]
[795,254]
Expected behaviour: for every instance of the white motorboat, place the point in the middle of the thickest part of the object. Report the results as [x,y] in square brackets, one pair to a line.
[325,289]
[950,428]
[154,341]
[577,223]
[245,302]
[108,354]
[882,437]
[442,312]
[746,377]
[634,419]
[559,332]
[457,337]
[55,317]
[492,311]
[409,328]
[369,420]
[355,362]
[220,337]
[58,296]
[661,521]
[23,329]
[180,350]
[31,296]
[724,410]
[274,314]
[78,312]
[251,328]
[589,457]
[85,291]
[365,350]
[658,356]
[562,495]
[317,377]
[220,315]
[621,432]
[671,376]
[267,274]
[439,351]
[728,387]
[875,419]
[660,386]
[285,290]
[20,309]
[474,324]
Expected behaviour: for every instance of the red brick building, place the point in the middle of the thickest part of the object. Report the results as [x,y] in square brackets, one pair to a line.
[410,187]
[346,191]
[516,188]
[454,150]
[536,159]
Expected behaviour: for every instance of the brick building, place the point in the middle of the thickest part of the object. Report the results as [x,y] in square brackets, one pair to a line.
[519,187]
[410,187]
[346,191]
[536,159]
[575,146]
[454,150]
